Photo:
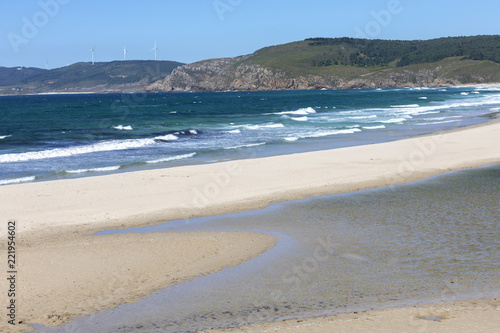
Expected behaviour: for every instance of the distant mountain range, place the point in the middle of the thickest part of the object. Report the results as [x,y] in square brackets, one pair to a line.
[115,76]
[315,63]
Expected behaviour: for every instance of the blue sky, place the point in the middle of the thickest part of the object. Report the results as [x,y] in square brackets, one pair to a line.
[62,32]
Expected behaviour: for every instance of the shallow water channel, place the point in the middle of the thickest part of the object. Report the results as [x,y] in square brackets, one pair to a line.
[435,239]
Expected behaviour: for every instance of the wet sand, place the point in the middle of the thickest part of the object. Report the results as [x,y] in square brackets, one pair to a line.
[481,315]
[61,280]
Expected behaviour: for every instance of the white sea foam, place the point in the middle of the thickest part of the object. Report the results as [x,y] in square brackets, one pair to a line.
[364,117]
[291,139]
[422,98]
[412,111]
[300,112]
[487,89]
[236,131]
[171,158]
[374,127]
[123,128]
[400,113]
[103,169]
[477,101]
[429,112]
[393,120]
[168,137]
[464,93]
[17,180]
[334,132]
[77,150]
[321,134]
[300,118]
[257,127]
[250,145]
[192,131]
[345,131]
[4,136]
[351,112]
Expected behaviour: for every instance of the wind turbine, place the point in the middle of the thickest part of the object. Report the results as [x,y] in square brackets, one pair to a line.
[155,49]
[93,49]
[125,53]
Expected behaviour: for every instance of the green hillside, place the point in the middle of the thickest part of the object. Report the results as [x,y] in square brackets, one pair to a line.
[100,77]
[10,76]
[350,58]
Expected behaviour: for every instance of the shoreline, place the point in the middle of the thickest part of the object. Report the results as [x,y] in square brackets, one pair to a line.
[53,215]
[483,119]
[149,197]
[145,91]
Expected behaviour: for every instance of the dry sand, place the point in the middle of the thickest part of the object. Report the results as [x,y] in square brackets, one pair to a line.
[53,216]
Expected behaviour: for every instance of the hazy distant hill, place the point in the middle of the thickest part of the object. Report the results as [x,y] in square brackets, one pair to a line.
[10,76]
[345,63]
[116,76]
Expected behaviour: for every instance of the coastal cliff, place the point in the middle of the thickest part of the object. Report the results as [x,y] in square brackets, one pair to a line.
[227,75]
[344,64]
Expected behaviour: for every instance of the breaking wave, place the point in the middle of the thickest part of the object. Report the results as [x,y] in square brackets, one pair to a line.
[123,128]
[250,145]
[103,169]
[257,127]
[85,149]
[300,112]
[17,180]
[171,158]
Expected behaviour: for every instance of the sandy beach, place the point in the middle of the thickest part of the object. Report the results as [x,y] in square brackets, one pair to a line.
[58,261]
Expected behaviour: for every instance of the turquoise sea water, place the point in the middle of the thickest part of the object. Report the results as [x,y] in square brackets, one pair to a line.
[432,240]
[61,136]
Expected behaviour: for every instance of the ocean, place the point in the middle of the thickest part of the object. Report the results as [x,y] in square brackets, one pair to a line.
[46,137]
